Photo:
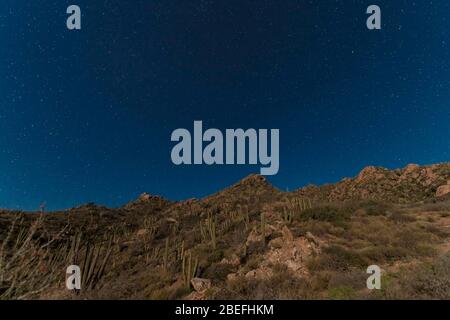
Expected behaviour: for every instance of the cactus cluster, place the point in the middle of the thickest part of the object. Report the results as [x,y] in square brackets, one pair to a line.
[27,266]
[180,251]
[188,268]
[208,229]
[294,208]
[94,265]
[34,265]
[152,254]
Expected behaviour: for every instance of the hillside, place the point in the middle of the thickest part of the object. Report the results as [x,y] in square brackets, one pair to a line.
[410,184]
[250,240]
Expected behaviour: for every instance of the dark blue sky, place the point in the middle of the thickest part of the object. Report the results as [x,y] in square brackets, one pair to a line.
[87,115]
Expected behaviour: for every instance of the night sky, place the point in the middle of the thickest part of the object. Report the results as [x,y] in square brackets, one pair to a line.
[86,116]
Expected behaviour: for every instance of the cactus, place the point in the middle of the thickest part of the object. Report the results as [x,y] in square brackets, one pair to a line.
[247,220]
[208,231]
[180,251]
[288,215]
[93,269]
[188,268]
[166,255]
[294,208]
[244,250]
[263,228]
[33,266]
[152,255]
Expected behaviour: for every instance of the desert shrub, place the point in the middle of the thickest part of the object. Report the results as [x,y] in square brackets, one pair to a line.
[401,217]
[342,293]
[319,281]
[180,292]
[318,228]
[433,205]
[380,254]
[375,208]
[160,294]
[426,281]
[337,258]
[206,255]
[326,213]
[283,284]
[431,229]
[410,239]
[255,247]
[253,262]
[433,281]
[218,271]
[354,279]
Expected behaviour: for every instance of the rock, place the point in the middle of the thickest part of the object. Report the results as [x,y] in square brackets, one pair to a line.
[262,273]
[411,168]
[171,220]
[233,260]
[287,234]
[312,238]
[289,251]
[255,234]
[251,274]
[201,285]
[443,190]
[144,197]
[232,276]
[142,232]
[366,173]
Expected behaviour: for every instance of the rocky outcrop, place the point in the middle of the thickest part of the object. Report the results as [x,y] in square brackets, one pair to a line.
[283,250]
[147,202]
[443,190]
[410,184]
[253,190]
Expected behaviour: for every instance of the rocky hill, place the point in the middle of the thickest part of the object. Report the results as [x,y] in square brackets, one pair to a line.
[248,241]
[410,184]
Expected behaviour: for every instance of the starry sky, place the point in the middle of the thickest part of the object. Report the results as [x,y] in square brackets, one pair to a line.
[86,116]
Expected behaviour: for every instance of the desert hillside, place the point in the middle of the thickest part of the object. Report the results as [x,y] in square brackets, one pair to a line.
[249,241]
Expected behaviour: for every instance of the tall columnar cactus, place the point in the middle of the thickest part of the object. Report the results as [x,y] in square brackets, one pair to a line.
[247,220]
[180,251]
[263,227]
[93,268]
[166,255]
[188,268]
[288,215]
[208,230]
[294,208]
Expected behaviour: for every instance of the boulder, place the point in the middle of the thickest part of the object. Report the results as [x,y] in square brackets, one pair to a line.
[443,190]
[141,232]
[201,285]
[144,197]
